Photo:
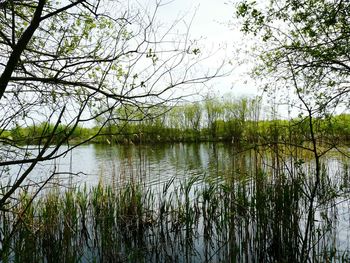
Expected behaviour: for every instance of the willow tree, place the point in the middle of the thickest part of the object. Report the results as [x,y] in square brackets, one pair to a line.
[192,118]
[71,62]
[306,51]
[213,111]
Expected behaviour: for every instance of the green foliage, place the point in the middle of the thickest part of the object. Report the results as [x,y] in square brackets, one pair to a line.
[308,47]
[44,132]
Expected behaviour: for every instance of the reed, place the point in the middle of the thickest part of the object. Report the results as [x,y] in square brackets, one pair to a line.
[238,217]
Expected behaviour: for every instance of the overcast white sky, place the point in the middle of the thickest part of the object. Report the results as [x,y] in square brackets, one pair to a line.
[213,24]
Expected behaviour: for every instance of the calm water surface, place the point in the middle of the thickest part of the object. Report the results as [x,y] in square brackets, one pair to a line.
[149,165]
[153,165]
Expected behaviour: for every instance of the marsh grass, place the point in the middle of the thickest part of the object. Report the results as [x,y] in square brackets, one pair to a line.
[258,216]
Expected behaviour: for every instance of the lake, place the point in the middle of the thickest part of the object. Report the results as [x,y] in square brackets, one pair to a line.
[146,164]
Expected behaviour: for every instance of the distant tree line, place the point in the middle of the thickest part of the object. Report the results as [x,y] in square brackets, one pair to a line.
[237,121]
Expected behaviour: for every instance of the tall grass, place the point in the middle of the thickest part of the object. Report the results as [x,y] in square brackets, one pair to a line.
[235,216]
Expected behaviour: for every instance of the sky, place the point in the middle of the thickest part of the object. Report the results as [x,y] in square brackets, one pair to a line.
[214,24]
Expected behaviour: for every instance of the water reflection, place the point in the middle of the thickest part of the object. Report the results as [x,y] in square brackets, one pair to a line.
[148,164]
[156,164]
